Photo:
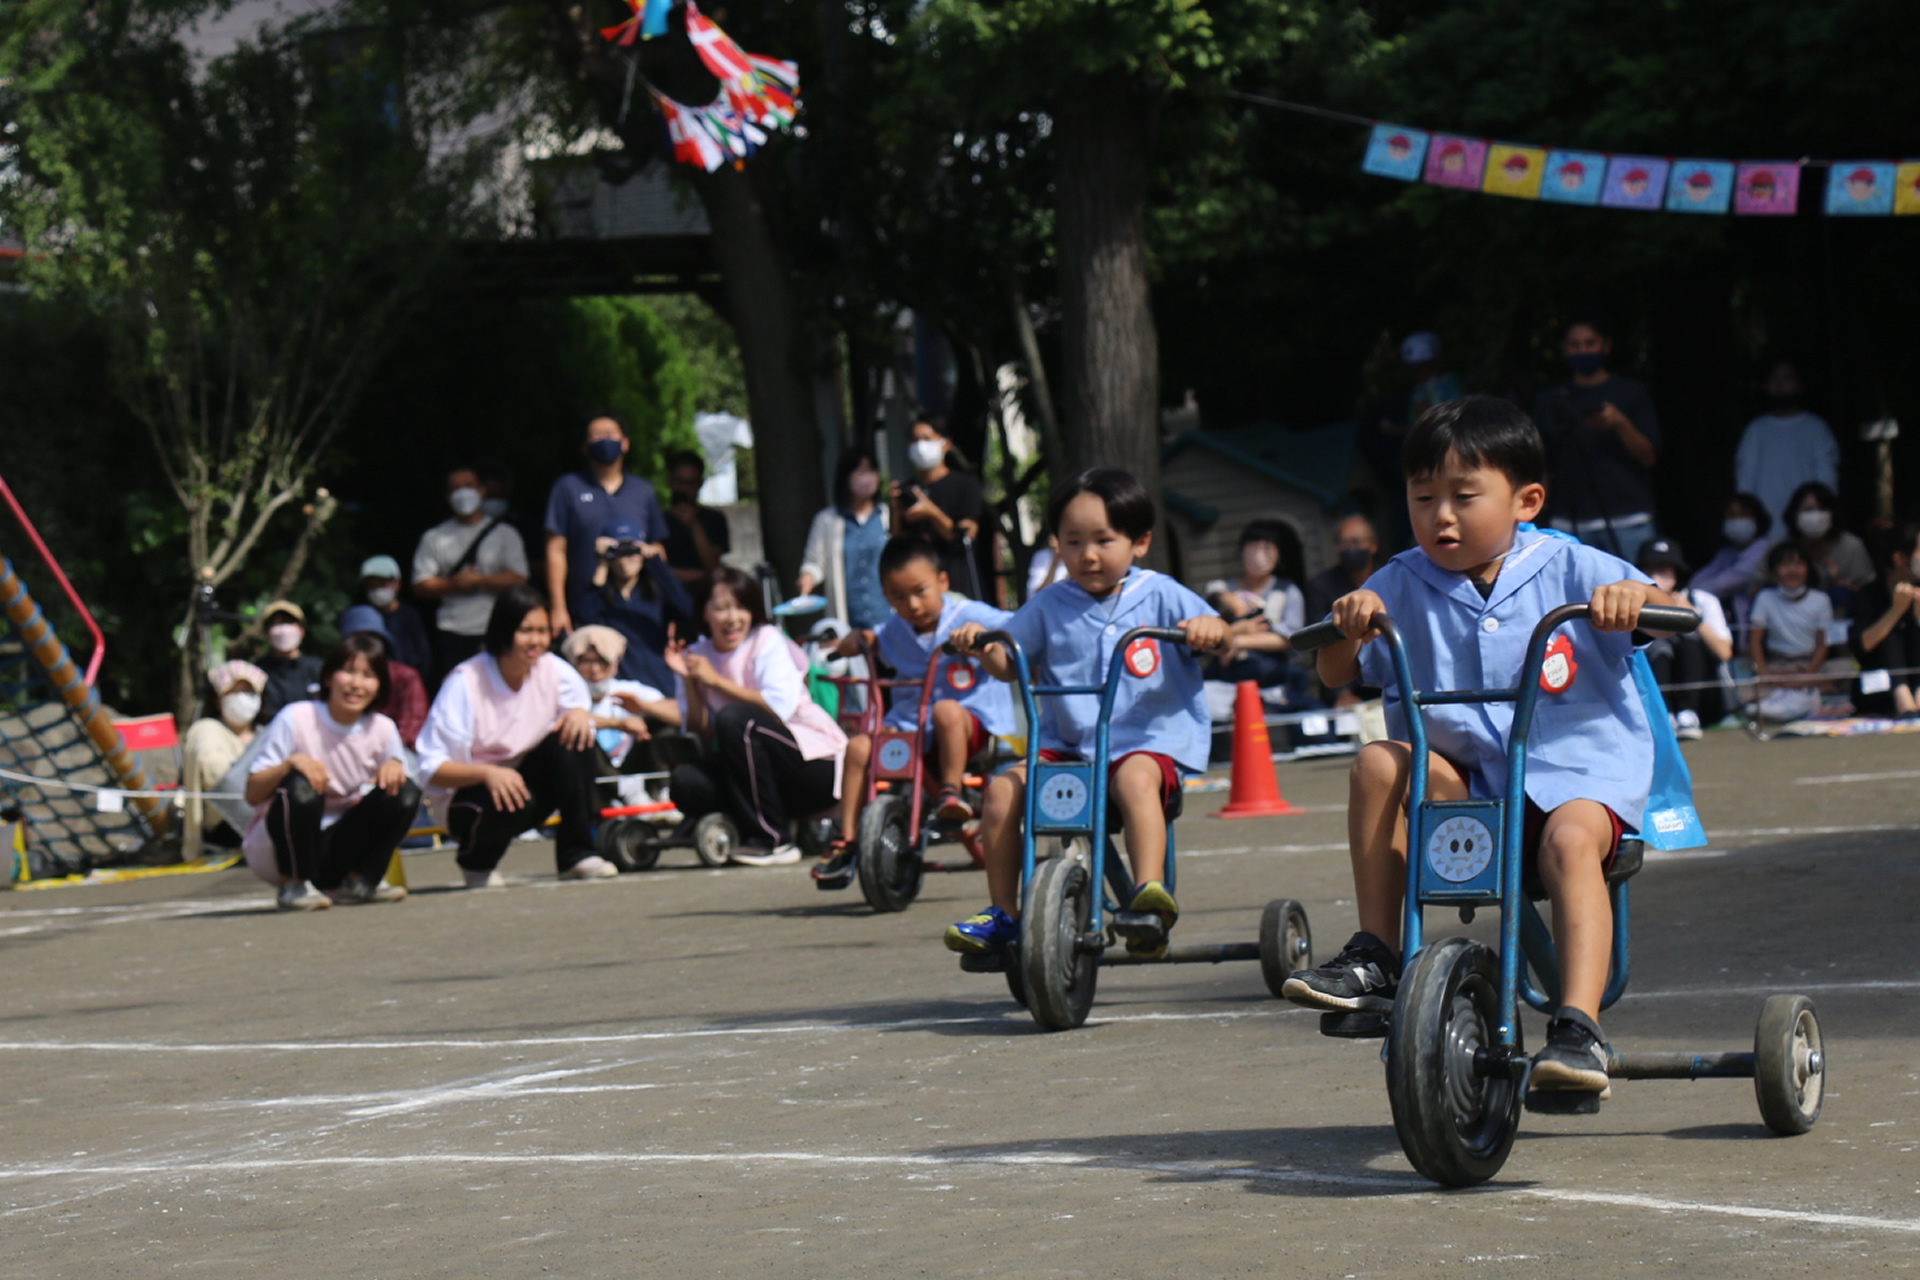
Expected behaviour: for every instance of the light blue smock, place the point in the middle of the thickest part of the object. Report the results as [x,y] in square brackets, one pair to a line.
[960,680]
[1068,637]
[1591,741]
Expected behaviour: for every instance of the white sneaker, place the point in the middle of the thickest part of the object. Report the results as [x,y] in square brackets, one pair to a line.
[355,889]
[591,867]
[781,855]
[486,879]
[298,895]
[1686,725]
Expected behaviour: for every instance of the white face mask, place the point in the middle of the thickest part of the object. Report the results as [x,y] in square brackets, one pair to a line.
[599,688]
[926,454]
[285,637]
[863,484]
[1259,558]
[1794,593]
[382,597]
[1740,530]
[1813,524]
[464,501]
[239,708]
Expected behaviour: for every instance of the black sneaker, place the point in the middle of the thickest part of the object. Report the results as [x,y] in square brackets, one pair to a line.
[1575,1056]
[1364,976]
[836,870]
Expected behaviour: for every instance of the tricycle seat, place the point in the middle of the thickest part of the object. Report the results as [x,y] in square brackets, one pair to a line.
[1627,861]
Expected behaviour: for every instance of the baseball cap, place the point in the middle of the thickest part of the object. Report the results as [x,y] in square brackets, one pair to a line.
[380,567]
[1421,347]
[364,617]
[287,607]
[1663,551]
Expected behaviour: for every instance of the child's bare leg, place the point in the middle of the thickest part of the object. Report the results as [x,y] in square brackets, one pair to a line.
[1000,817]
[952,726]
[1136,792]
[1573,851]
[853,783]
[1377,829]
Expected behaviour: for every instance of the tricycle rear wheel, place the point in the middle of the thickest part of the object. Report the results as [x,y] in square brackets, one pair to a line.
[1455,1109]
[714,839]
[1789,1064]
[1286,943]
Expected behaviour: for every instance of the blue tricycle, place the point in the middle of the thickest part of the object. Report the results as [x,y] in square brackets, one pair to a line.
[1457,1075]
[1067,930]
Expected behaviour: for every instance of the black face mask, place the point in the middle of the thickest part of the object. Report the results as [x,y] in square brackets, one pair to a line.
[1354,559]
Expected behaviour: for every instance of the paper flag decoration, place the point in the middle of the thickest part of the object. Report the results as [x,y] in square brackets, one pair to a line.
[649,20]
[1767,187]
[1862,188]
[1573,177]
[756,93]
[1700,186]
[1514,171]
[1395,152]
[1456,162]
[1634,182]
[1906,187]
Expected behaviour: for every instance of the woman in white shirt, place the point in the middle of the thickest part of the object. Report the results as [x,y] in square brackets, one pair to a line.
[511,736]
[330,791]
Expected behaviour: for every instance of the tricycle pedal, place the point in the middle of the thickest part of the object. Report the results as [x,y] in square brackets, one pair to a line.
[989,962]
[1563,1102]
[1355,1024]
[1141,926]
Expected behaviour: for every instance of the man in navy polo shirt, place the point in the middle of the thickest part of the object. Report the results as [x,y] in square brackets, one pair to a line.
[581,506]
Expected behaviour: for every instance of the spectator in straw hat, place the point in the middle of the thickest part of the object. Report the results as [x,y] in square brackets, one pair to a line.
[406,634]
[625,712]
[214,741]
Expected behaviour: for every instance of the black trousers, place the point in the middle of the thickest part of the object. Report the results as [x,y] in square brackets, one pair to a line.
[756,775]
[360,843]
[558,779]
[1686,659]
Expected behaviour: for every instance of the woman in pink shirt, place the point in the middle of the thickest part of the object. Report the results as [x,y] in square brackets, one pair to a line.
[511,736]
[330,788]
[776,755]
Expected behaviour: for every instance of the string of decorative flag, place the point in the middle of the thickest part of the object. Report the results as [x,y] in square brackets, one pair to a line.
[756,94]
[1608,180]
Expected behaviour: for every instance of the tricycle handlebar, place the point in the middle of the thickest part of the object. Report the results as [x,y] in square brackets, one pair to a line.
[1654,617]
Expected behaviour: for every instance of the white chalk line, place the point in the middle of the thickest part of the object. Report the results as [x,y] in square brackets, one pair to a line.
[1055,1160]
[1890,776]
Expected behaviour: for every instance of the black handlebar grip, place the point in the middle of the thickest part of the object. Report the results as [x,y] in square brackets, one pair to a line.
[1660,617]
[1321,634]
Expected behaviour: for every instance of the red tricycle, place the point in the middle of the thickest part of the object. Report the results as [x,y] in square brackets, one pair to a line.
[895,830]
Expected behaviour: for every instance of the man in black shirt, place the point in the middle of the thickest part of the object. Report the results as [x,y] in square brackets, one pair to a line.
[1602,438]
[292,676]
[941,505]
[697,536]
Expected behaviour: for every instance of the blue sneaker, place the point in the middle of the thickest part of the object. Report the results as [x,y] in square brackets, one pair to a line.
[991,930]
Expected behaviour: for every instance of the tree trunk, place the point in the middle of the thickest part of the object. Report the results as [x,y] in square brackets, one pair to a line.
[1103,139]
[777,357]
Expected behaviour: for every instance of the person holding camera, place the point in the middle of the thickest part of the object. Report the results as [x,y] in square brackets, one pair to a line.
[941,505]
[636,593]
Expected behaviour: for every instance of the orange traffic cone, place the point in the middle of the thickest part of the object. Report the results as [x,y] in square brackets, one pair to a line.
[1256,786]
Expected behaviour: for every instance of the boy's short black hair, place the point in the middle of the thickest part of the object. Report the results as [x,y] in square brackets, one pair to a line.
[1486,431]
[1786,549]
[1129,505]
[686,458]
[903,550]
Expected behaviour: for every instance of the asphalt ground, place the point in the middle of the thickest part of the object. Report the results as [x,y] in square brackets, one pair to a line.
[728,1072]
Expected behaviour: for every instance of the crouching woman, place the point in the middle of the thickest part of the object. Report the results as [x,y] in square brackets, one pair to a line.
[330,791]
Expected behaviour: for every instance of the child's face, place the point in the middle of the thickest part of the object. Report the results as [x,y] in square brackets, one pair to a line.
[917,591]
[1464,516]
[1792,573]
[1096,555]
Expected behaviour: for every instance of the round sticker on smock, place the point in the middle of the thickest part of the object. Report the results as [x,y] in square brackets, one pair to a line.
[960,676]
[1063,796]
[896,755]
[1459,849]
[1143,657]
[1559,669]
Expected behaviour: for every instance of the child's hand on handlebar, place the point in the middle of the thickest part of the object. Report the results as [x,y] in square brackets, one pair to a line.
[852,643]
[1207,632]
[1616,606]
[1353,613]
[965,637]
